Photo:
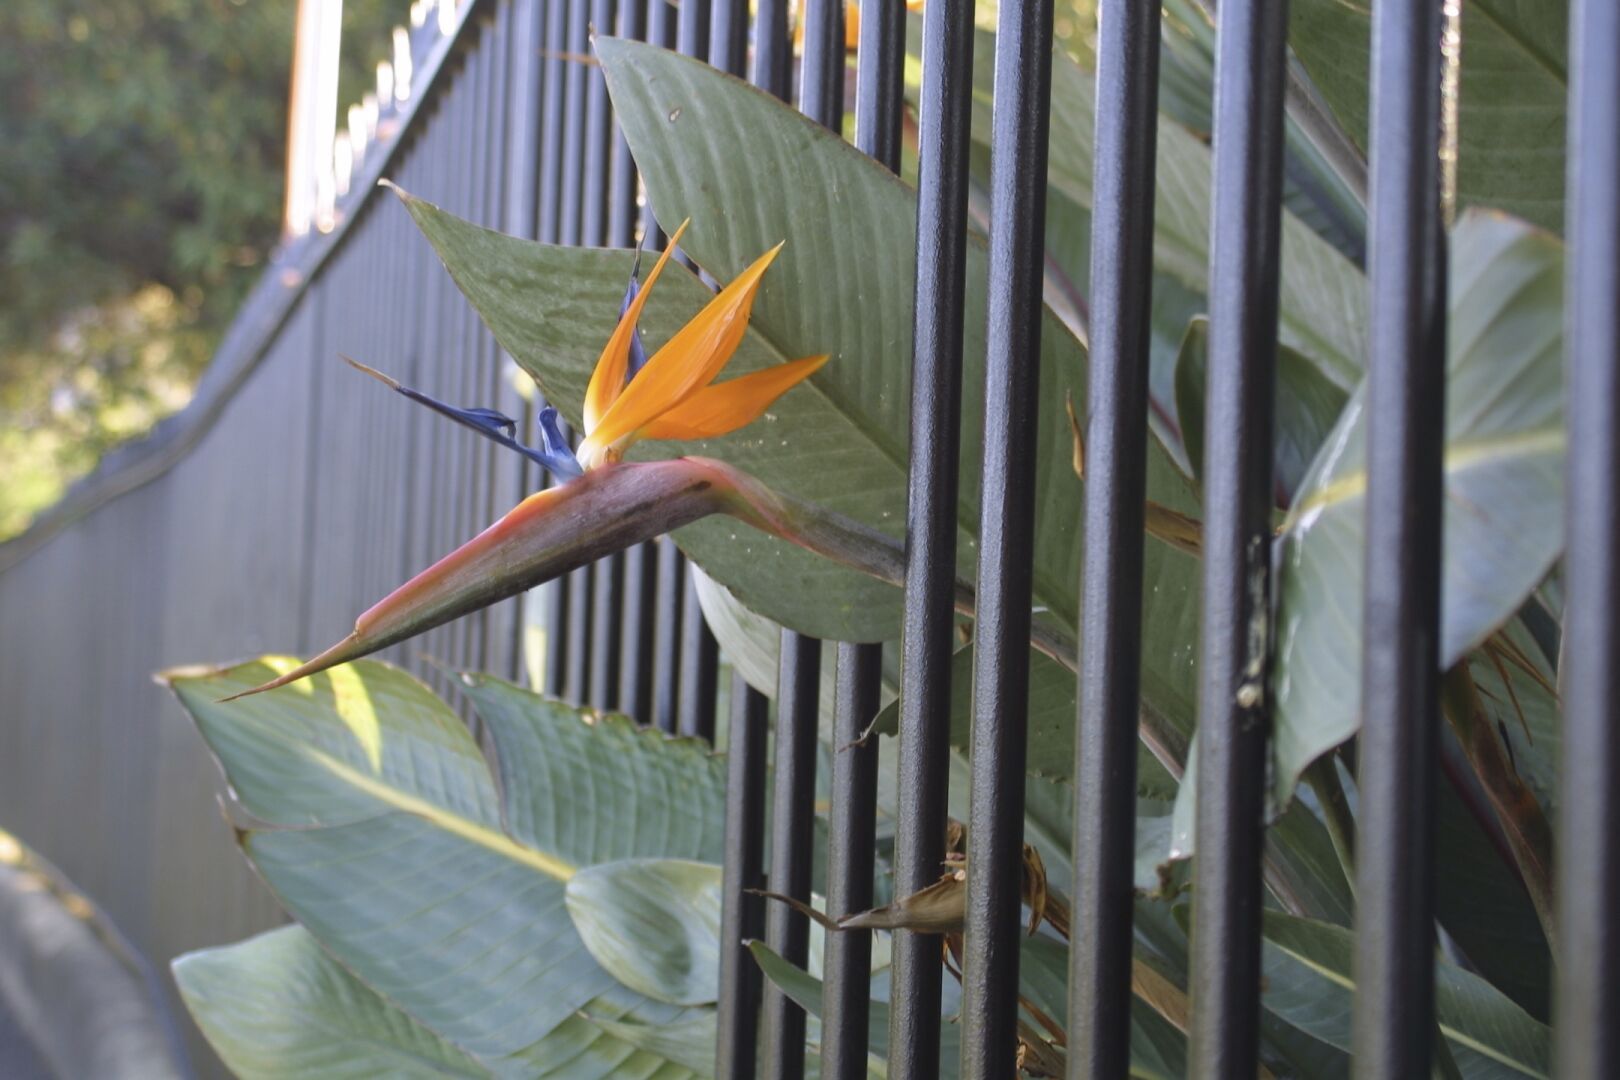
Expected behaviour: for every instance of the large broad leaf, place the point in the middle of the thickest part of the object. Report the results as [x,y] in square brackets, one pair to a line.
[1322,303]
[553,308]
[376,822]
[1051,717]
[277,1006]
[1158,1047]
[805,990]
[1512,89]
[1504,490]
[1307,408]
[1308,981]
[716,149]
[654,924]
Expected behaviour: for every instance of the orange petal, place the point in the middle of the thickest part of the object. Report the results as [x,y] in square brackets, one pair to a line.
[688,362]
[607,381]
[721,408]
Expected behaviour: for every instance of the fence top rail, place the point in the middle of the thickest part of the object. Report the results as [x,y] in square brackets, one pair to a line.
[293,269]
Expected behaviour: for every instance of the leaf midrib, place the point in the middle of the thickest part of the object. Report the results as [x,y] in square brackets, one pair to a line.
[1451,1032]
[446,820]
[1460,457]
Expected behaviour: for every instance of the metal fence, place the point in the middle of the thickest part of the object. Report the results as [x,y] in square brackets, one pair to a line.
[291,494]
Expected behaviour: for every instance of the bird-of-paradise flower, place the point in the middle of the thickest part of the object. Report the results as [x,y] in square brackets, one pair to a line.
[601,505]
[674,396]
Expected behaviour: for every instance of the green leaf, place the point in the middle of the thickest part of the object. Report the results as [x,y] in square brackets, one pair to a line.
[713,148]
[1308,981]
[1051,717]
[1512,90]
[1504,484]
[277,1006]
[377,824]
[805,990]
[1322,303]
[1307,407]
[653,924]
[553,308]
[688,1044]
[1158,1049]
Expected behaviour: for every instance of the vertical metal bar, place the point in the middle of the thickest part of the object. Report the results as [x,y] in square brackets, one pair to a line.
[1588,1002]
[1406,385]
[773,60]
[576,679]
[821,77]
[728,36]
[607,586]
[851,849]
[879,76]
[553,130]
[742,913]
[574,122]
[1111,579]
[928,636]
[1234,714]
[692,28]
[700,667]
[671,591]
[1007,538]
[524,168]
[852,816]
[640,582]
[793,815]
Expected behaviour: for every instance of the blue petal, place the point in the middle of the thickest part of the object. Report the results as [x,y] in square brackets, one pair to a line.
[495,426]
[554,452]
[638,351]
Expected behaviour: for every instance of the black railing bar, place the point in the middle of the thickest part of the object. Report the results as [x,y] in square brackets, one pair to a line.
[773,58]
[692,27]
[608,573]
[728,37]
[1018,141]
[667,637]
[554,129]
[576,678]
[577,44]
[700,665]
[641,561]
[852,814]
[460,358]
[928,634]
[821,73]
[495,653]
[1116,426]
[1588,998]
[793,817]
[1234,713]
[523,172]
[742,912]
[879,78]
[479,355]
[851,851]
[1393,1020]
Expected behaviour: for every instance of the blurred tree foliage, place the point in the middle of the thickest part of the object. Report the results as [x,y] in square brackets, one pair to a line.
[141,158]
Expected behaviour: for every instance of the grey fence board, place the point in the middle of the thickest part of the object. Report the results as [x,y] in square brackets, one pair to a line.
[290,496]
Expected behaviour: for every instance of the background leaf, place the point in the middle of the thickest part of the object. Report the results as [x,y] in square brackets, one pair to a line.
[1512,90]
[277,1006]
[414,875]
[653,924]
[1504,487]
